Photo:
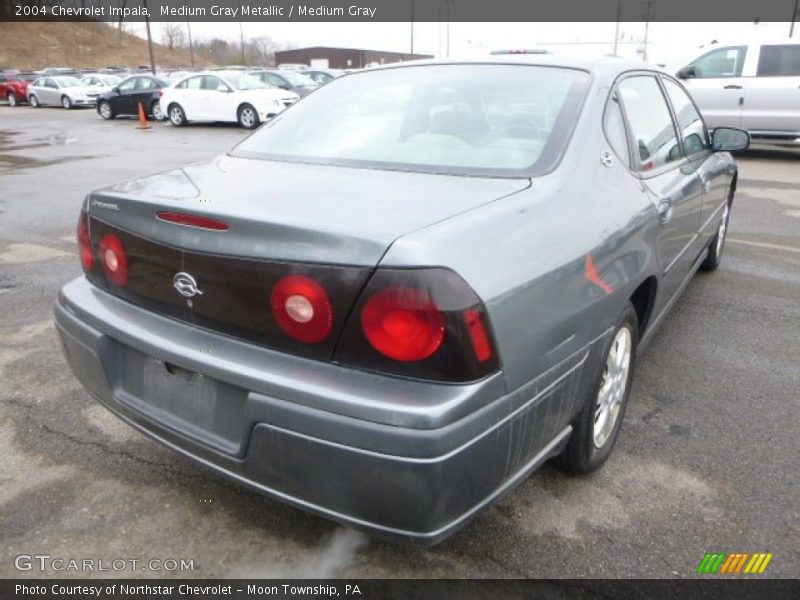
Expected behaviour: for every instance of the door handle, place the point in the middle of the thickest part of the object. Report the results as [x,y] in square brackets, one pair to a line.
[733,86]
[664,210]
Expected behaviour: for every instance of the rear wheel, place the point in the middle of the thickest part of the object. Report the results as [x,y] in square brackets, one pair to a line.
[105,110]
[12,99]
[176,115]
[718,243]
[248,117]
[34,101]
[596,429]
[66,102]
[155,110]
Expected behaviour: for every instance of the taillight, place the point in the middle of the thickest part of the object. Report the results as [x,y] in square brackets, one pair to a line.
[422,323]
[403,323]
[113,258]
[85,243]
[302,308]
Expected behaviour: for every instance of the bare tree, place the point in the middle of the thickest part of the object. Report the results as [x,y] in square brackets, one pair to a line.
[172,35]
[261,51]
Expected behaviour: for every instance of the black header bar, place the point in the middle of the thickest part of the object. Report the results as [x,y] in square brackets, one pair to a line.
[398,10]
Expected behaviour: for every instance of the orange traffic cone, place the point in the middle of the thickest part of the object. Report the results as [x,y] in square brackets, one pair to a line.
[143,124]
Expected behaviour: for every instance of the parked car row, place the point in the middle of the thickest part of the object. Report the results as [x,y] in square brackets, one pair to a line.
[244,96]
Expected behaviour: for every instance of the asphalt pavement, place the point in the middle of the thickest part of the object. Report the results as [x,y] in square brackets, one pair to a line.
[707,460]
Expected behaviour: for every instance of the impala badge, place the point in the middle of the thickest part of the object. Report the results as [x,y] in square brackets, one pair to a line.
[186,285]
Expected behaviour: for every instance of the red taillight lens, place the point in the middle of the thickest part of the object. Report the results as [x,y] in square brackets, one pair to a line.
[302,308]
[85,243]
[403,323]
[422,323]
[477,333]
[192,220]
[114,260]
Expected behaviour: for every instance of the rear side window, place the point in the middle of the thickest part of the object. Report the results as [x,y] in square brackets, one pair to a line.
[650,121]
[690,123]
[723,62]
[614,126]
[779,61]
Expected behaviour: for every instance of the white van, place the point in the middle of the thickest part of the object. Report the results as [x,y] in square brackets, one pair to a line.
[752,86]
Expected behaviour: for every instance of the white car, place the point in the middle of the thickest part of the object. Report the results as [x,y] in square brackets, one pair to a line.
[752,86]
[227,96]
[99,83]
[59,90]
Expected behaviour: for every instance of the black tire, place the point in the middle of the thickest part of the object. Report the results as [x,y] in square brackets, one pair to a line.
[12,99]
[176,115]
[34,101]
[105,110]
[717,245]
[247,116]
[66,102]
[582,454]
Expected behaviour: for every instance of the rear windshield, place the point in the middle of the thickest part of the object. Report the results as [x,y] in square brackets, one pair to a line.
[496,120]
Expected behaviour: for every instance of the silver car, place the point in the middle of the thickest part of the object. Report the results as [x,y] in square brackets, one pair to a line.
[99,83]
[398,298]
[59,90]
[750,86]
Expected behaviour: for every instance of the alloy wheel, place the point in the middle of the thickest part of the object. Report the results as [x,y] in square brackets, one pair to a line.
[613,386]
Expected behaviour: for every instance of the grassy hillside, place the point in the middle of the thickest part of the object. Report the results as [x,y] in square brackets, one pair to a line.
[81,45]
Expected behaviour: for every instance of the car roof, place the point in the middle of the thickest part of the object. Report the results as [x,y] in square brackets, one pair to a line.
[604,67]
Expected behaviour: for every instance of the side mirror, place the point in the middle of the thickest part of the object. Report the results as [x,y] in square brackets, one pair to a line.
[729,139]
[687,72]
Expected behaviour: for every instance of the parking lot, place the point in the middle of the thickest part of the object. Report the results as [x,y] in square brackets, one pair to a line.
[707,459]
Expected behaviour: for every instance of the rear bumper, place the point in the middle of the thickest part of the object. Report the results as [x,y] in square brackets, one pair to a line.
[399,458]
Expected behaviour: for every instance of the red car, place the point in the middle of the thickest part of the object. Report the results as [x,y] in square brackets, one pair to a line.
[13,86]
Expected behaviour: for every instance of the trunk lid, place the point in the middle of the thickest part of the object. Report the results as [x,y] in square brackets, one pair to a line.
[329,224]
[291,211]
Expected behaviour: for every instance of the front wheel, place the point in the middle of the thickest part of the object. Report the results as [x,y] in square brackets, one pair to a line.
[66,102]
[105,110]
[34,101]
[176,115]
[248,117]
[12,99]
[718,243]
[596,429]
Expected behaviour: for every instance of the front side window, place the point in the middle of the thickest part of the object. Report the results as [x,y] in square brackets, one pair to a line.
[473,119]
[779,61]
[650,121]
[723,62]
[693,131]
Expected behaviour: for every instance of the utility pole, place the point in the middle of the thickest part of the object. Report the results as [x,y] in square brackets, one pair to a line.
[412,28]
[150,42]
[447,16]
[616,30]
[241,42]
[191,46]
[647,15]
[794,18]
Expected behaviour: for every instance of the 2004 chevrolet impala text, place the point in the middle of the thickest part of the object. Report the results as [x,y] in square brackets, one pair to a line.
[398,298]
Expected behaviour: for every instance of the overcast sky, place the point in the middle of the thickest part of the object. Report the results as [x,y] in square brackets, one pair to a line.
[667,42]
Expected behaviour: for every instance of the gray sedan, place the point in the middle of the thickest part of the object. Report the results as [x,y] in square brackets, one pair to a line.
[397,299]
[60,90]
